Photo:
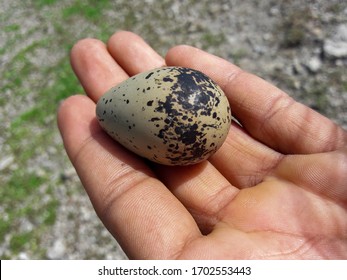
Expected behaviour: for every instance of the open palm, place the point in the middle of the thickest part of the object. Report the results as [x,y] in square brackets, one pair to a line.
[277,188]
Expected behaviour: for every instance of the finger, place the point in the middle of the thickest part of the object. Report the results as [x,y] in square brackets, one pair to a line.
[267,113]
[95,67]
[323,173]
[146,219]
[242,160]
[201,189]
[124,45]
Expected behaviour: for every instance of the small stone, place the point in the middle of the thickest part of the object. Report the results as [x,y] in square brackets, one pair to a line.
[5,162]
[335,49]
[341,32]
[274,11]
[57,251]
[336,46]
[314,64]
[23,256]
[297,67]
[68,174]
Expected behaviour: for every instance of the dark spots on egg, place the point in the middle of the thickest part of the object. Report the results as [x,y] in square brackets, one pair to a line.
[217,102]
[191,94]
[149,75]
[155,119]
[167,79]
[172,115]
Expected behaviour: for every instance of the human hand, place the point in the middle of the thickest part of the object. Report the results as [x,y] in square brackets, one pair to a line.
[277,188]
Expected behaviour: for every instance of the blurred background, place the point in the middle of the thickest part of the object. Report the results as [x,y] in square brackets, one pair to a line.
[301,46]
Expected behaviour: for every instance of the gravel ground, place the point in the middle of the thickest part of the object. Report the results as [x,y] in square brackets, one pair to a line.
[301,46]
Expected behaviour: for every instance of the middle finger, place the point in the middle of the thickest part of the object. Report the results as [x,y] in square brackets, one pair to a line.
[95,67]
[132,53]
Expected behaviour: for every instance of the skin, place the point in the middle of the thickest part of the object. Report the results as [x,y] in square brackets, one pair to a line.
[277,188]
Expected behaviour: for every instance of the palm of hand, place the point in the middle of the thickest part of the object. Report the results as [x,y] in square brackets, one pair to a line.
[276,189]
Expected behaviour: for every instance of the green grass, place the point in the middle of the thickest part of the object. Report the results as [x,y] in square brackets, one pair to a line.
[18,241]
[91,10]
[5,227]
[210,39]
[21,200]
[49,214]
[30,132]
[20,186]
[42,3]
[11,28]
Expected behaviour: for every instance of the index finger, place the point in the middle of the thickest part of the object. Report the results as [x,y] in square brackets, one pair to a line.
[266,112]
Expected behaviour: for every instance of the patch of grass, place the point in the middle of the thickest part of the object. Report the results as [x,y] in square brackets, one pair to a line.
[19,241]
[4,228]
[91,10]
[65,85]
[50,213]
[42,3]
[21,67]
[344,86]
[27,116]
[238,54]
[293,28]
[11,28]
[21,198]
[20,186]
[210,39]
[38,89]
[129,19]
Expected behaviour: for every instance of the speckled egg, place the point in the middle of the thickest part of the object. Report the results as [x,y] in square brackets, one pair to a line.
[169,115]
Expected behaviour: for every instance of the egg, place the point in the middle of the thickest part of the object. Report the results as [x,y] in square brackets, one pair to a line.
[169,115]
